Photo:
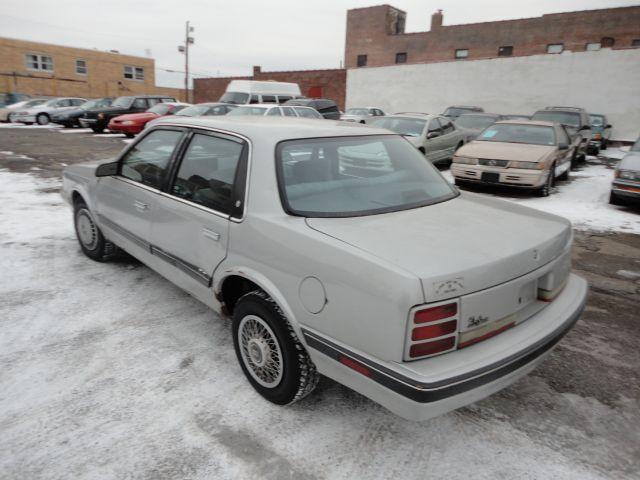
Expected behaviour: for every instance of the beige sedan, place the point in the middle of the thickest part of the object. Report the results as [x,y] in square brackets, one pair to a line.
[517,153]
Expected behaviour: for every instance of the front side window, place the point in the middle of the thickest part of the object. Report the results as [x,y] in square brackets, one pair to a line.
[289,112]
[462,53]
[354,176]
[122,102]
[148,161]
[81,67]
[447,126]
[519,133]
[207,172]
[563,136]
[408,127]
[140,103]
[362,60]
[555,48]
[42,63]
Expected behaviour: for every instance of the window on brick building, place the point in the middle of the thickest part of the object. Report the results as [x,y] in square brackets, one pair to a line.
[505,51]
[133,73]
[401,57]
[607,42]
[635,42]
[81,67]
[593,47]
[462,53]
[555,48]
[362,60]
[39,62]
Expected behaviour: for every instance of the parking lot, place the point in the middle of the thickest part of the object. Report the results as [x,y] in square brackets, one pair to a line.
[109,371]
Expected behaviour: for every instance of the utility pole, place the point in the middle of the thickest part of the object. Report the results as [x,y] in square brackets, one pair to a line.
[185,49]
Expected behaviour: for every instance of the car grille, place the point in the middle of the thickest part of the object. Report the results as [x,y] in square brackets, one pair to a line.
[490,162]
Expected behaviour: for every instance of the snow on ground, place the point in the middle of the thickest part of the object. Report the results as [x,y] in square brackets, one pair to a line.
[22,125]
[107,371]
[75,130]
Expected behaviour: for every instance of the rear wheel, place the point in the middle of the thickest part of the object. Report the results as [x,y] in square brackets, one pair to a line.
[90,238]
[42,119]
[564,175]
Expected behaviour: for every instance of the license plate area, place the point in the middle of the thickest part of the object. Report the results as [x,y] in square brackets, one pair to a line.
[490,177]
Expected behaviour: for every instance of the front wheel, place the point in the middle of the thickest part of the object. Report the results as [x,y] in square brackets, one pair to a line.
[545,191]
[42,119]
[269,352]
[92,242]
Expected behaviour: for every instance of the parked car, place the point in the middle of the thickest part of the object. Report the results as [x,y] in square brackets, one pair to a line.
[7,112]
[275,111]
[133,123]
[97,119]
[242,92]
[435,136]
[201,109]
[518,153]
[457,110]
[395,284]
[327,108]
[361,115]
[625,189]
[7,99]
[42,113]
[576,121]
[471,124]
[600,132]
[70,118]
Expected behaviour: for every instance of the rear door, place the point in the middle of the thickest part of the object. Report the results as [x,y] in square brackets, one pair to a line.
[190,226]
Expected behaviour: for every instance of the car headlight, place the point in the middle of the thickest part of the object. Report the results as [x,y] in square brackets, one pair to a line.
[528,165]
[127,122]
[465,160]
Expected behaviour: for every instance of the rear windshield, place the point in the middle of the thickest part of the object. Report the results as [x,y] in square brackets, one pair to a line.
[410,127]
[238,98]
[565,118]
[455,111]
[355,176]
[474,121]
[194,111]
[519,133]
[248,111]
[596,120]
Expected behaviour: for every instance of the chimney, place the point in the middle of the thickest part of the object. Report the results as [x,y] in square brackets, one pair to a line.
[436,20]
[256,70]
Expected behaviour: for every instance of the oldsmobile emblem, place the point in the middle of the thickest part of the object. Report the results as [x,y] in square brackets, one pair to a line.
[493,163]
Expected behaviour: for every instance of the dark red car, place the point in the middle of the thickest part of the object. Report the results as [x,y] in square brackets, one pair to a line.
[133,123]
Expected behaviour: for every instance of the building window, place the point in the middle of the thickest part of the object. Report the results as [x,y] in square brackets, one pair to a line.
[635,42]
[401,57]
[81,67]
[362,60]
[593,47]
[607,42]
[462,53]
[555,48]
[505,51]
[133,73]
[42,63]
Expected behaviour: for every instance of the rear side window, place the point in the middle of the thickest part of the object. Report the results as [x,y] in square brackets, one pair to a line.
[288,112]
[268,99]
[207,172]
[140,103]
[274,112]
[306,112]
[148,161]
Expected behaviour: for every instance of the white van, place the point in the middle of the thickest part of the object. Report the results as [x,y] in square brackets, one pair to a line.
[242,92]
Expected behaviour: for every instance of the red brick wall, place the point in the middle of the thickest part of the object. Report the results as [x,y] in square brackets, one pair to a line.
[331,83]
[370,31]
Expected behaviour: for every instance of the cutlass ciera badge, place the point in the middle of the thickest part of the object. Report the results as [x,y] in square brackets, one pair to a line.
[477,320]
[449,286]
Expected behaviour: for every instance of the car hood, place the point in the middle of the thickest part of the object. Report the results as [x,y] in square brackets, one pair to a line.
[631,161]
[137,117]
[459,246]
[505,151]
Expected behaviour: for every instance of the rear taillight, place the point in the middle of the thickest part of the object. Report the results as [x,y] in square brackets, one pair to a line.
[433,330]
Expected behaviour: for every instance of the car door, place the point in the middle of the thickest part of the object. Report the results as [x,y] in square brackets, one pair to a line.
[563,156]
[433,141]
[125,202]
[190,226]
[450,137]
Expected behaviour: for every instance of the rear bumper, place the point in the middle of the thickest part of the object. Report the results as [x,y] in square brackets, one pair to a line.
[89,122]
[427,388]
[515,177]
[628,190]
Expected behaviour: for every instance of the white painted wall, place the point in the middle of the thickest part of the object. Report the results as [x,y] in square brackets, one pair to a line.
[605,81]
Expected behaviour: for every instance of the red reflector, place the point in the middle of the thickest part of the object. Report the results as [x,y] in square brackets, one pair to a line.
[486,335]
[436,313]
[429,348]
[355,365]
[433,331]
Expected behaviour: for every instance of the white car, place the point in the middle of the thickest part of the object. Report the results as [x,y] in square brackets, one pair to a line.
[7,113]
[42,113]
[361,115]
[270,110]
[389,281]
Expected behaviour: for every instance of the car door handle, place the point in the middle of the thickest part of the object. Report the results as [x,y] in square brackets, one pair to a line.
[140,206]
[215,236]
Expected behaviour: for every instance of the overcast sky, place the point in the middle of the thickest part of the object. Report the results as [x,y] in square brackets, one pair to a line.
[230,37]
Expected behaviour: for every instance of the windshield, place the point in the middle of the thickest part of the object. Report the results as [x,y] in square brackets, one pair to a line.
[122,102]
[194,111]
[410,127]
[519,133]
[474,121]
[357,111]
[354,176]
[636,146]
[160,109]
[565,118]
[248,111]
[596,120]
[235,97]
[33,103]
[103,102]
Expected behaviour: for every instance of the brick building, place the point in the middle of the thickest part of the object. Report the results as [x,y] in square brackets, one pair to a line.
[376,36]
[53,70]
[313,83]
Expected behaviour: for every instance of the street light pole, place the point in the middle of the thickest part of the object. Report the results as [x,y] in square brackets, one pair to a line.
[186,64]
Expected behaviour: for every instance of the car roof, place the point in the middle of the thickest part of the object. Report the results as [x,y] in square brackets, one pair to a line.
[215,104]
[464,106]
[529,122]
[565,109]
[272,105]
[480,114]
[275,128]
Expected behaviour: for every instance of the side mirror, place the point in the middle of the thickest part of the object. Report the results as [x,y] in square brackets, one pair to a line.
[107,169]
[563,146]
[432,135]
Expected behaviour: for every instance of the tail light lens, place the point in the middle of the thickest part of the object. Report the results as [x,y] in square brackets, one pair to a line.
[433,330]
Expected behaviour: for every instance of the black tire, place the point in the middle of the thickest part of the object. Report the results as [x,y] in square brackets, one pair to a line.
[616,200]
[90,238]
[43,119]
[97,129]
[129,135]
[565,175]
[67,125]
[9,118]
[545,190]
[458,146]
[298,374]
